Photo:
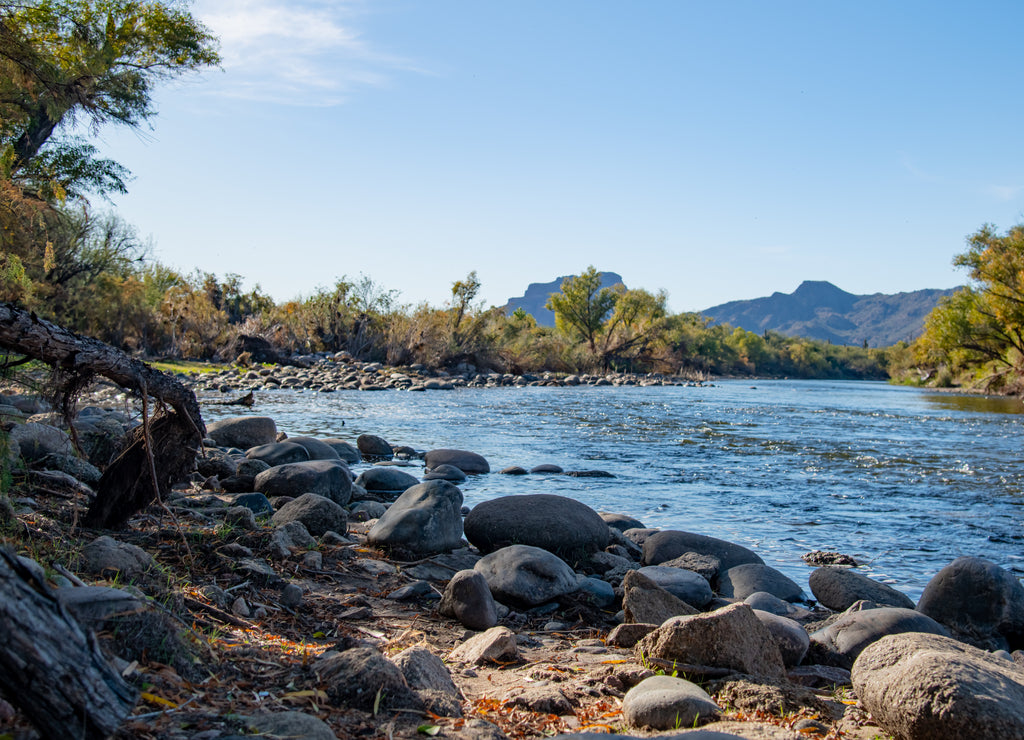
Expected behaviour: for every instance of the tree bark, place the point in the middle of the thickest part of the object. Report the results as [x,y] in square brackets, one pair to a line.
[50,668]
[127,485]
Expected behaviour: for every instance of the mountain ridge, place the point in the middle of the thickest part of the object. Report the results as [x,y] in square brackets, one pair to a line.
[536,296]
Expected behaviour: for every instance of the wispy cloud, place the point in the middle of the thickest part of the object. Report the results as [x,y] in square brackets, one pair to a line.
[295,52]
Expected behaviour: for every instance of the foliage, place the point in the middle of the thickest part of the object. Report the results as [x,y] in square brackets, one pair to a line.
[582,306]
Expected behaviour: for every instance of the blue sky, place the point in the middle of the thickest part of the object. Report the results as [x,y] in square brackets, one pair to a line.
[717,150]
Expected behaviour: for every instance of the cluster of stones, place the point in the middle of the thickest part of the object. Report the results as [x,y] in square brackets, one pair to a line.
[950,666]
[339,372]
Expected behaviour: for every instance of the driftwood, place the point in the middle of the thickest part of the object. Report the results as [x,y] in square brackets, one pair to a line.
[163,449]
[50,668]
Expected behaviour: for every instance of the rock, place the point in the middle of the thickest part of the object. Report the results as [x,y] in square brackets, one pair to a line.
[469,463]
[639,536]
[359,677]
[449,473]
[424,520]
[81,469]
[241,517]
[364,511]
[468,599]
[544,699]
[289,536]
[669,544]
[845,638]
[316,448]
[731,637]
[667,703]
[513,470]
[327,478]
[767,602]
[620,522]
[278,453]
[828,557]
[373,447]
[920,686]
[251,467]
[243,432]
[739,581]
[291,724]
[291,596]
[216,462]
[597,592]
[979,602]
[547,468]
[792,639]
[496,645]
[627,635]
[645,602]
[94,605]
[344,450]
[588,474]
[427,675]
[318,513]
[819,676]
[36,441]
[521,575]
[683,584]
[757,697]
[707,566]
[257,502]
[839,588]
[105,555]
[557,524]
[386,480]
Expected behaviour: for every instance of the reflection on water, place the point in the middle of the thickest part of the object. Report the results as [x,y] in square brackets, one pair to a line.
[903,480]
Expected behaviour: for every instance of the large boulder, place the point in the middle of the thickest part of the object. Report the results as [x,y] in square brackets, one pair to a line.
[36,441]
[731,637]
[557,524]
[667,703]
[428,676]
[317,448]
[669,544]
[364,679]
[425,520]
[345,450]
[840,588]
[646,602]
[979,602]
[846,638]
[385,479]
[242,432]
[683,584]
[740,581]
[521,575]
[278,453]
[792,639]
[928,687]
[467,598]
[327,478]
[318,513]
[372,447]
[468,462]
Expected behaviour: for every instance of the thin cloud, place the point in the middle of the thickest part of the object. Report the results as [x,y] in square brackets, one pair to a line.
[294,53]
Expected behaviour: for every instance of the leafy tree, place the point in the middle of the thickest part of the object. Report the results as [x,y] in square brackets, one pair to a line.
[636,324]
[582,306]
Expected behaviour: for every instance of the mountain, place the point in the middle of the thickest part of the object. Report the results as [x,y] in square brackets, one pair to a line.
[537,295]
[820,310]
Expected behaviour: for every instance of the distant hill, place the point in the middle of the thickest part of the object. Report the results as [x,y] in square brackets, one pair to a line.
[537,295]
[820,310]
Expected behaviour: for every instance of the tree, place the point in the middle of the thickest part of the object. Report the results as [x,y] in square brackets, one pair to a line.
[582,306]
[637,322]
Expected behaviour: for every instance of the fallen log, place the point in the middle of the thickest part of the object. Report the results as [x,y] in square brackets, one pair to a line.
[50,668]
[159,453]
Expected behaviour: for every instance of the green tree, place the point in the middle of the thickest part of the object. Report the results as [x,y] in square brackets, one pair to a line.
[582,306]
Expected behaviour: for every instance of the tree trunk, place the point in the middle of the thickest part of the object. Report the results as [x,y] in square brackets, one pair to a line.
[50,668]
[127,484]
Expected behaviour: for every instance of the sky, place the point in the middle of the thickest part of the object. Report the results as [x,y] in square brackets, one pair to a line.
[716,150]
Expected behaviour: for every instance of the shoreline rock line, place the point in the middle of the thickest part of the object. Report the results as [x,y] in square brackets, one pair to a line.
[525,616]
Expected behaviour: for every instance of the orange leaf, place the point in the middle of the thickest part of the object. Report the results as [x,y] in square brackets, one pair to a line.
[154,699]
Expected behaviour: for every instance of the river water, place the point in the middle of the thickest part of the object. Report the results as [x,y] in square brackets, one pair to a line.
[902,479]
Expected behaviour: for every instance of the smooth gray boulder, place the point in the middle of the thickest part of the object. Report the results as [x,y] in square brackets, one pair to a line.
[792,639]
[345,450]
[669,544]
[316,448]
[838,589]
[557,524]
[426,519]
[318,513]
[449,473]
[667,703]
[467,598]
[844,639]
[521,575]
[385,479]
[278,453]
[692,588]
[979,602]
[328,478]
[621,522]
[372,447]
[767,602]
[731,637]
[243,432]
[928,687]
[646,602]
[106,555]
[469,463]
[740,581]
[36,441]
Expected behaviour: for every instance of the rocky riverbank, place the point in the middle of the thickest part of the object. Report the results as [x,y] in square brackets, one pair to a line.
[338,588]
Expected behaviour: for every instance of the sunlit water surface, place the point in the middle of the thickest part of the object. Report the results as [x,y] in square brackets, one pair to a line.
[902,479]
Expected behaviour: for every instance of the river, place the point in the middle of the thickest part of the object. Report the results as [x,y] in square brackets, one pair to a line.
[902,479]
